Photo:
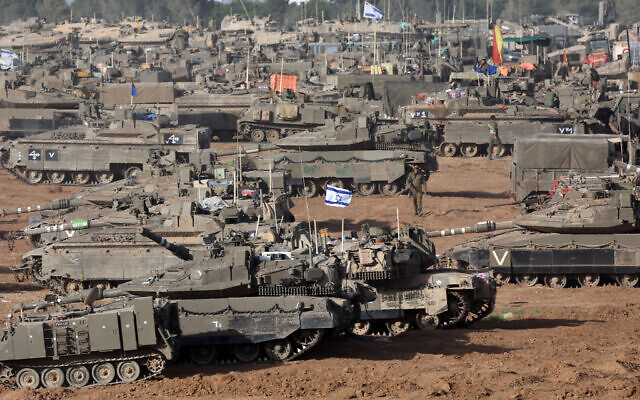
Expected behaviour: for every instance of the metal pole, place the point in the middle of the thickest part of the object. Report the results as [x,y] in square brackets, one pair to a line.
[398,220]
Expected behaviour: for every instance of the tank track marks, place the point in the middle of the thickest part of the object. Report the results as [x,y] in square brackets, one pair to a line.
[85,371]
[281,350]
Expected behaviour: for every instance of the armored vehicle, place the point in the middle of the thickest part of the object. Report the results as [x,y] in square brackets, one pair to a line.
[588,237]
[240,304]
[85,155]
[410,292]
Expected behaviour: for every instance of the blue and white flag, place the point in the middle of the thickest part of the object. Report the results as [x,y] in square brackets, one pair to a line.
[370,11]
[337,197]
[134,92]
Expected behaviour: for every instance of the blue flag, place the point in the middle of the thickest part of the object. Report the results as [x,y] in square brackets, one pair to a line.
[337,197]
[133,90]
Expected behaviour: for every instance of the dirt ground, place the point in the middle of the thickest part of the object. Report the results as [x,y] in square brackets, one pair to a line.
[538,344]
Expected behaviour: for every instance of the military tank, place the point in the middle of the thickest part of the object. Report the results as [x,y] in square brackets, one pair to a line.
[410,291]
[587,238]
[239,305]
[83,155]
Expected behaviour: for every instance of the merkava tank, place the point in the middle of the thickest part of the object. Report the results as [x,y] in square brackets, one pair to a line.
[410,291]
[84,155]
[241,304]
[461,124]
[586,238]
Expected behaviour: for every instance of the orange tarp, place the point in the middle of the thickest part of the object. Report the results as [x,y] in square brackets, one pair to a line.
[288,82]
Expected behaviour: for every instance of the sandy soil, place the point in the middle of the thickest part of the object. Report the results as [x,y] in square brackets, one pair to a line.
[539,343]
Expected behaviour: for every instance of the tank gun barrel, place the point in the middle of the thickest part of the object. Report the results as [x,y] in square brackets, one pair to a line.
[480,227]
[58,204]
[178,250]
[628,168]
[260,148]
[87,296]
[75,225]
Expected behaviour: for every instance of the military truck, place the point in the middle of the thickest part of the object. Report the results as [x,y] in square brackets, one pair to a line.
[82,155]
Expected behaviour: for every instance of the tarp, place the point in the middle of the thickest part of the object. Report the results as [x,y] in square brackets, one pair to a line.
[287,111]
[288,82]
[588,153]
[146,93]
[398,94]
[523,39]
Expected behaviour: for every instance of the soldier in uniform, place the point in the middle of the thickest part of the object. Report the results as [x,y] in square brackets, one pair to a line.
[494,139]
[417,185]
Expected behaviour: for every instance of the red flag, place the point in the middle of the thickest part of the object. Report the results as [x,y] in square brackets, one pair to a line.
[497,44]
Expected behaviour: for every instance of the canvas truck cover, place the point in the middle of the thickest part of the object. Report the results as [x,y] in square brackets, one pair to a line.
[579,153]
[146,93]
[287,111]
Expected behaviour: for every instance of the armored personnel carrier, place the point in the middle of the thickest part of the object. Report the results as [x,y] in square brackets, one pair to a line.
[588,238]
[86,155]
[240,304]
[410,292]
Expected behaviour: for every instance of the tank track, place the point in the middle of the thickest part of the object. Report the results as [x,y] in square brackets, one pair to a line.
[29,269]
[153,361]
[45,181]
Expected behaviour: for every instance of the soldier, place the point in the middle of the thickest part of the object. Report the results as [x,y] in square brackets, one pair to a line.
[494,139]
[417,185]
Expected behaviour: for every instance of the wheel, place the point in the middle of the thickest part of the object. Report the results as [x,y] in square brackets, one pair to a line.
[257,135]
[52,377]
[361,328]
[104,177]
[448,149]
[81,178]
[458,307]
[273,135]
[78,376]
[128,371]
[132,171]
[202,355]
[56,177]
[366,189]
[33,176]
[555,281]
[103,373]
[27,378]
[246,352]
[503,150]
[310,188]
[278,350]
[627,280]
[307,337]
[527,280]
[389,189]
[398,327]
[502,278]
[469,150]
[589,280]
[335,182]
[155,364]
[498,151]
[425,321]
[71,286]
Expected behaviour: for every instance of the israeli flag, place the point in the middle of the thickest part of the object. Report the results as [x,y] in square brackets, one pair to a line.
[371,12]
[337,197]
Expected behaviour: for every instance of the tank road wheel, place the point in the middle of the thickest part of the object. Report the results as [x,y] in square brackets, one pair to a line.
[72,287]
[458,309]
[257,135]
[273,135]
[246,352]
[389,189]
[81,178]
[589,280]
[78,376]
[308,337]
[202,355]
[27,378]
[555,281]
[527,280]
[502,278]
[366,189]
[469,150]
[335,182]
[627,280]
[56,177]
[103,373]
[398,327]
[278,350]
[309,189]
[33,177]
[503,150]
[104,177]
[52,378]
[131,172]
[155,364]
[448,149]
[128,371]
[361,328]
[425,321]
